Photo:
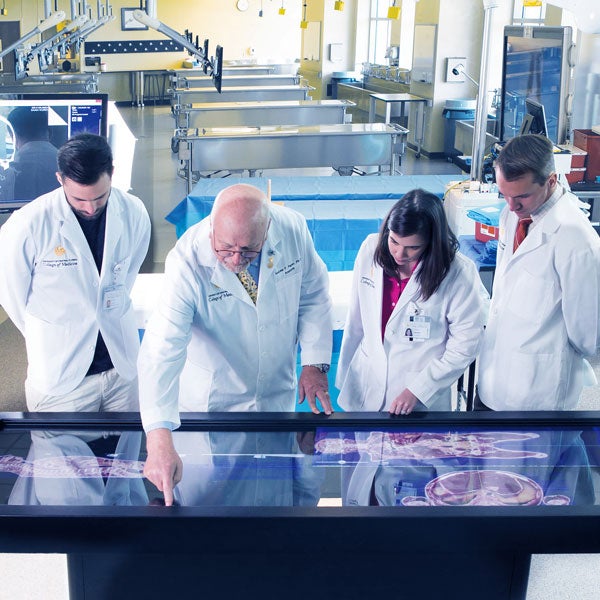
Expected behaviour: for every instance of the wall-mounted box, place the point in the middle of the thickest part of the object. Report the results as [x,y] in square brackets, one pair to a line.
[455,69]
[336,52]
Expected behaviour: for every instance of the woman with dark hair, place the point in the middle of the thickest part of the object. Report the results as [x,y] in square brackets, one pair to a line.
[416,314]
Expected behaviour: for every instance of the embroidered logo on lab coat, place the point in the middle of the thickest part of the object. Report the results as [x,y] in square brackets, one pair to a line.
[61,261]
[220,295]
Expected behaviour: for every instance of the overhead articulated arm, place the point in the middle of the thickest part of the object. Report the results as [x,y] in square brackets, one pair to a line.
[51,21]
[211,66]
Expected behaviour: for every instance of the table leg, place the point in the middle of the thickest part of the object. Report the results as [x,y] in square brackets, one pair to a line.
[372,109]
[139,88]
[420,135]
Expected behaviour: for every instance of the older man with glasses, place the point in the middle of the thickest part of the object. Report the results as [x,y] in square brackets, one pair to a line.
[243,288]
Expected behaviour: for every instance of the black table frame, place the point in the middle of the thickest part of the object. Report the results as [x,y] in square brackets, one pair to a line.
[348,552]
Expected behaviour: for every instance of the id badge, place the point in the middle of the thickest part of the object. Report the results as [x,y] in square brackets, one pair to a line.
[418,328]
[112,297]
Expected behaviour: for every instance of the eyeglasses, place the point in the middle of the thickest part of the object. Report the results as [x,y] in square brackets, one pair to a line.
[246,254]
[250,254]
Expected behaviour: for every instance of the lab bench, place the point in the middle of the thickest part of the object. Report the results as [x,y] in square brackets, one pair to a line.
[342,147]
[180,96]
[256,114]
[193,81]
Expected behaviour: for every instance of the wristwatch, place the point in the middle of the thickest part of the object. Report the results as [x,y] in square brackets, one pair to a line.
[323,367]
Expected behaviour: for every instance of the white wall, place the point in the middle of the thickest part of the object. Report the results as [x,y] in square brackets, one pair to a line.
[459,34]
[274,37]
[336,27]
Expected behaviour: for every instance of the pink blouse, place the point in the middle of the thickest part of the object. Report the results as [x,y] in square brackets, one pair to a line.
[392,288]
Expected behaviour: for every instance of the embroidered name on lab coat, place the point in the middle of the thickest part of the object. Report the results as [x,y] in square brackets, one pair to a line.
[366,281]
[220,295]
[288,270]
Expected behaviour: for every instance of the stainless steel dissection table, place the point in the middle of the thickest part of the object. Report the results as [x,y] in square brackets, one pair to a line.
[342,147]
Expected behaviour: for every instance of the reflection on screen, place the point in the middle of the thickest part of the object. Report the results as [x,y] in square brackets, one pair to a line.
[533,68]
[464,467]
[32,128]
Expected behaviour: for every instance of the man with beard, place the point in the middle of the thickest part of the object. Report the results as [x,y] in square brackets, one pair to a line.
[69,260]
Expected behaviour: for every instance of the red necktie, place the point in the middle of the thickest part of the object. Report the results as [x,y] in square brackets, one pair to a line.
[521,232]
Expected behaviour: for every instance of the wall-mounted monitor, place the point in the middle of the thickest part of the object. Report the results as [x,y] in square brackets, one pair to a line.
[534,120]
[67,114]
[32,128]
[536,65]
[218,68]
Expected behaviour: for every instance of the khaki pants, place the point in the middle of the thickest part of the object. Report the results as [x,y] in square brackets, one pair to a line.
[102,392]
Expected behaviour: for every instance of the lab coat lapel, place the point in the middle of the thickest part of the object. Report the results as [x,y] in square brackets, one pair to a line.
[71,231]
[112,233]
[532,241]
[536,237]
[377,276]
[227,280]
[269,260]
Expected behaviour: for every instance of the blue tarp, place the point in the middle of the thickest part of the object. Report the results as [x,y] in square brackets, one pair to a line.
[488,215]
[198,203]
[340,211]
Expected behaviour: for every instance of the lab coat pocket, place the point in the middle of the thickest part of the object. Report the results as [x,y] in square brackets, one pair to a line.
[44,339]
[538,383]
[358,391]
[531,296]
[120,269]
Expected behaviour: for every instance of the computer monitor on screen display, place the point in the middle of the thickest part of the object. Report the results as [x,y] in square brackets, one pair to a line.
[32,128]
[534,120]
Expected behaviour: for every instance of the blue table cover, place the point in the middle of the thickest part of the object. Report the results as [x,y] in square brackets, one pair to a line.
[198,203]
[340,211]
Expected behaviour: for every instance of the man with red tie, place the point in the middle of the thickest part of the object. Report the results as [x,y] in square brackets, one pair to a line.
[545,311]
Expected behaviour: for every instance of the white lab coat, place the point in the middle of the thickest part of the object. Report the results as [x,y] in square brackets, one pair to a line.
[51,289]
[208,346]
[545,313]
[372,373]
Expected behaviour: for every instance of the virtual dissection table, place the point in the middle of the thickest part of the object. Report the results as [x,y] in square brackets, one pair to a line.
[350,506]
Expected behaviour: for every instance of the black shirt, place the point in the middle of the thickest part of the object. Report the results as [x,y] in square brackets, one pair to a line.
[93,230]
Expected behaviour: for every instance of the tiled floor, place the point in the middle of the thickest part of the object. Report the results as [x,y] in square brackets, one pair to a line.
[31,577]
